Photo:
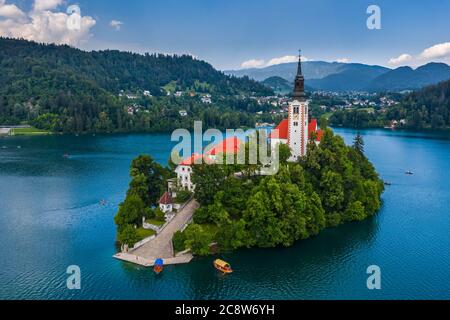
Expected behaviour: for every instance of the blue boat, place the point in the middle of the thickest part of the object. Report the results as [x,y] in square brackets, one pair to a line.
[158,266]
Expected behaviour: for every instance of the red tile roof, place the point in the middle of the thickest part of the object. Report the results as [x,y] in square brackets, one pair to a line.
[166,199]
[229,145]
[283,129]
[191,160]
[312,127]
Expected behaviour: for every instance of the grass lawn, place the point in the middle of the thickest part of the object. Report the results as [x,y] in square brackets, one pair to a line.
[29,132]
[171,86]
[155,222]
[143,233]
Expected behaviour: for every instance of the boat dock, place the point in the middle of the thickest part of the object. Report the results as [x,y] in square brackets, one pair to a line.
[161,245]
[129,257]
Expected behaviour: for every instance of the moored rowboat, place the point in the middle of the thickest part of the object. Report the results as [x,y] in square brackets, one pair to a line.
[158,267]
[222,266]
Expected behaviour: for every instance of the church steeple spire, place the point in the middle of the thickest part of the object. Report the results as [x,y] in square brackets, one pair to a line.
[299,89]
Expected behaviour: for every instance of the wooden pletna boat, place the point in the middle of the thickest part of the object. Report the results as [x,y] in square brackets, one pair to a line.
[222,266]
[158,266]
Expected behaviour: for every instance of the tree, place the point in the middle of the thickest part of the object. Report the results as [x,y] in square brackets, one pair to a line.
[323,123]
[139,187]
[232,235]
[130,212]
[144,170]
[284,153]
[128,236]
[315,214]
[208,180]
[332,191]
[197,239]
[358,143]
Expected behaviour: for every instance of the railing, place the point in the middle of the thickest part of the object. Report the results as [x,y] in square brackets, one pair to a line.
[142,242]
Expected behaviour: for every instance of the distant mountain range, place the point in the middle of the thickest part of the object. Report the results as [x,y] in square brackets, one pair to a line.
[335,76]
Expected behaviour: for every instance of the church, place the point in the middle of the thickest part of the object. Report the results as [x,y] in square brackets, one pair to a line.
[296,129]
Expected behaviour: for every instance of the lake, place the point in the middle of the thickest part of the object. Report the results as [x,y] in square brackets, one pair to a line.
[51,218]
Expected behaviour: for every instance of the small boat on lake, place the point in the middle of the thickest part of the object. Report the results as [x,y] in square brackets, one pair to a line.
[159,266]
[222,266]
[409,173]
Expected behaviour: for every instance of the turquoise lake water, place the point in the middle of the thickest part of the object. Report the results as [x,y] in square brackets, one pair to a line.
[50,218]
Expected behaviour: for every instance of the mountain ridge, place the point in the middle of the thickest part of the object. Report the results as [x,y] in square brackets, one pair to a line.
[336,76]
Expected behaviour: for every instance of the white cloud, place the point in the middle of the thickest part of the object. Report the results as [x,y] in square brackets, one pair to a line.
[10,11]
[42,24]
[116,24]
[441,50]
[42,5]
[401,59]
[253,63]
[343,60]
[260,63]
[284,59]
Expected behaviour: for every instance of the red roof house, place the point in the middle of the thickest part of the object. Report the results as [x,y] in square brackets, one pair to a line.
[166,199]
[226,146]
[283,131]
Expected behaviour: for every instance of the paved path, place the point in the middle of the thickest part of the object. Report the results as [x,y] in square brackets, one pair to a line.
[161,246]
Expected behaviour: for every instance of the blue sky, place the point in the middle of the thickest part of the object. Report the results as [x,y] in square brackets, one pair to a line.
[235,33]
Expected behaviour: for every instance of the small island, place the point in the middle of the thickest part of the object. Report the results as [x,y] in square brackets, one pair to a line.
[333,184]
[210,207]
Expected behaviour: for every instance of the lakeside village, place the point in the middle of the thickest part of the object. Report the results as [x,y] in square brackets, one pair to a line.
[321,103]
[206,207]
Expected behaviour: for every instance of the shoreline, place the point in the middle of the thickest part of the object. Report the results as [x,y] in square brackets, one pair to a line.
[39,132]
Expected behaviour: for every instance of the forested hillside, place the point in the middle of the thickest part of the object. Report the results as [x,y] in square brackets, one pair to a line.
[428,108]
[66,89]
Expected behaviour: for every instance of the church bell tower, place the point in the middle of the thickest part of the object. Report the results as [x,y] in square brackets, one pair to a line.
[298,117]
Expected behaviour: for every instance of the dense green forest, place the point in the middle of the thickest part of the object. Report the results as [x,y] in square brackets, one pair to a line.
[428,108]
[332,185]
[64,89]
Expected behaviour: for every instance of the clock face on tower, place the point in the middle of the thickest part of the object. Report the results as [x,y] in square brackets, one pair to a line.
[296,116]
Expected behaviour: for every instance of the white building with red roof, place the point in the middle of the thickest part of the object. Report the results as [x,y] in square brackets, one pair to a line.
[184,169]
[296,129]
[166,203]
